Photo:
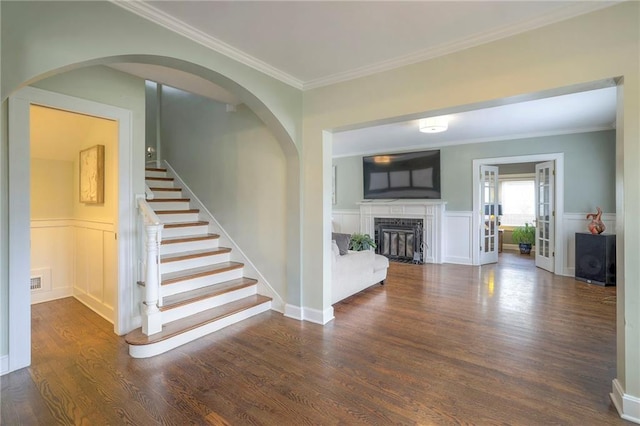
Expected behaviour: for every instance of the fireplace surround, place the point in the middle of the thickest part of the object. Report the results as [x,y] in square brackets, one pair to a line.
[430,212]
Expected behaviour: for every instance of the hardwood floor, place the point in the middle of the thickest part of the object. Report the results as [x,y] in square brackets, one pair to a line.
[436,345]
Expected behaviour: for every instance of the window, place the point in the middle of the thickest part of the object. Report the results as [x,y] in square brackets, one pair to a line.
[518,201]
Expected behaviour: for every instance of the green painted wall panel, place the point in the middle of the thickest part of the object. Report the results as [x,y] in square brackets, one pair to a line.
[589,170]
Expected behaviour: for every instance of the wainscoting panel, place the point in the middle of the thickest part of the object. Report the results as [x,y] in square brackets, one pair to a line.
[577,222]
[76,258]
[52,254]
[346,221]
[457,237]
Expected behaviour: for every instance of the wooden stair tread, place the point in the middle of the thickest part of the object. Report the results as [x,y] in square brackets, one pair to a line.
[181,299]
[202,271]
[177,211]
[169,200]
[166,179]
[180,326]
[154,169]
[176,240]
[165,189]
[185,224]
[193,254]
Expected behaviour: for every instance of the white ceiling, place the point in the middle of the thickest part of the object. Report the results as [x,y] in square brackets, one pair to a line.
[309,44]
[574,113]
[312,43]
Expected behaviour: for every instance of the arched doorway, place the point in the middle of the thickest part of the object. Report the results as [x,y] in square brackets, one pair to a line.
[19,320]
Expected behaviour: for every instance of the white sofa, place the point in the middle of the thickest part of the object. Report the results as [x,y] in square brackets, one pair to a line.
[355,271]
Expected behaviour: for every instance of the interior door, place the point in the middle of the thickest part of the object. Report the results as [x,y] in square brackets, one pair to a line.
[488,214]
[545,216]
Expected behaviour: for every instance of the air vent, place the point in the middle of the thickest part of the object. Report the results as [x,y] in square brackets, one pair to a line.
[36,283]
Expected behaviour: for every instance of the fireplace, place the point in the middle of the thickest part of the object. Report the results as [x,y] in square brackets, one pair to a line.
[399,239]
[431,212]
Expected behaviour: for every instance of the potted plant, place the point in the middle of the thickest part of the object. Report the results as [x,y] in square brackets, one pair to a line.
[360,242]
[524,236]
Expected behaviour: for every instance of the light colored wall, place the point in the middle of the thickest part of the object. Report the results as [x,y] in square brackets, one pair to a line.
[588,48]
[52,188]
[232,162]
[102,132]
[589,160]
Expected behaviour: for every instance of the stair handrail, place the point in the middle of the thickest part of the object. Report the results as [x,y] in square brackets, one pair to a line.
[148,192]
[151,316]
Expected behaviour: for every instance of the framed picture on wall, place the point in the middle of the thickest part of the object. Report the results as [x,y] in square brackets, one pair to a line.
[92,175]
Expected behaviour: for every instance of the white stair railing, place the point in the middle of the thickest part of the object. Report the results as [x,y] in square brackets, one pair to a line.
[151,316]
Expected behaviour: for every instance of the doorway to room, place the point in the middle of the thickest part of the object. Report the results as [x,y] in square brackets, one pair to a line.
[19,213]
[74,216]
[548,185]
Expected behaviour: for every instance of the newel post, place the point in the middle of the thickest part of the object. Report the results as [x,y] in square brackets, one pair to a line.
[151,317]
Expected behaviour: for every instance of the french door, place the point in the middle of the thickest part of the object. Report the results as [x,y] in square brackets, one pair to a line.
[545,215]
[488,214]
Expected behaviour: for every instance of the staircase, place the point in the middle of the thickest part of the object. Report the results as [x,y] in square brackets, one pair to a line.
[201,289]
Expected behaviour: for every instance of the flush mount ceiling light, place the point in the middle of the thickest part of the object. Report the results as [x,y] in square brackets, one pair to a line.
[434,125]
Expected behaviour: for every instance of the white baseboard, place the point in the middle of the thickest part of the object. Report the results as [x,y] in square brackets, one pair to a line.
[317,316]
[48,296]
[4,365]
[294,312]
[628,406]
[458,260]
[309,314]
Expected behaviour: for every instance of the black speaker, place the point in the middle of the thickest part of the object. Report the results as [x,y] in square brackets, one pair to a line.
[596,258]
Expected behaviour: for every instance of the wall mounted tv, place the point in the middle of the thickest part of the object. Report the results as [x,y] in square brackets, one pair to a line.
[403,175]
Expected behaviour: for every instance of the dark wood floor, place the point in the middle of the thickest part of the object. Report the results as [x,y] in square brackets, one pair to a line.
[436,345]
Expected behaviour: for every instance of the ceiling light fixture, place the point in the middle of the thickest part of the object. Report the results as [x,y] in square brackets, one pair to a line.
[434,125]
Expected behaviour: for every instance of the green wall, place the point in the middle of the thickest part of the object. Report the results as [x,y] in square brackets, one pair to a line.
[589,161]
[234,165]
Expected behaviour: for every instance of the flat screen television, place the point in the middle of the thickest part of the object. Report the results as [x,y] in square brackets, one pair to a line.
[403,175]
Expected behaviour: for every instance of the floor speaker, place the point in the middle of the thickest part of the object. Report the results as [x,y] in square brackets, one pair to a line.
[596,258]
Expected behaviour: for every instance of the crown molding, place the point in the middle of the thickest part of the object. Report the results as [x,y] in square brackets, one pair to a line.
[561,14]
[141,8]
[167,21]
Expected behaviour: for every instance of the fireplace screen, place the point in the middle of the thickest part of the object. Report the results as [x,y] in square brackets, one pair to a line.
[399,239]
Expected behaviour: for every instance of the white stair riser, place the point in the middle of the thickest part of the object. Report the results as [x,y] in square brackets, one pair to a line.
[165,194]
[188,246]
[178,217]
[186,231]
[149,173]
[152,183]
[169,205]
[146,351]
[195,283]
[203,305]
[181,265]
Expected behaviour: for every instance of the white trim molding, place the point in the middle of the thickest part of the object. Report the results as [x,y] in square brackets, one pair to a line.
[19,213]
[146,11]
[628,406]
[171,23]
[309,314]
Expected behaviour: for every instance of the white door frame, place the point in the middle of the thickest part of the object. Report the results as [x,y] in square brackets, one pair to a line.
[559,199]
[20,214]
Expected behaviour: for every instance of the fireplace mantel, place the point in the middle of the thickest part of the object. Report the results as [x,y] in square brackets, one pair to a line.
[430,211]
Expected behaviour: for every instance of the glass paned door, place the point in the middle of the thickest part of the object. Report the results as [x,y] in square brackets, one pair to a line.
[545,216]
[488,214]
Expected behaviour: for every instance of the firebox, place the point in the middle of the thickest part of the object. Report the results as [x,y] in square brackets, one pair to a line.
[399,239]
